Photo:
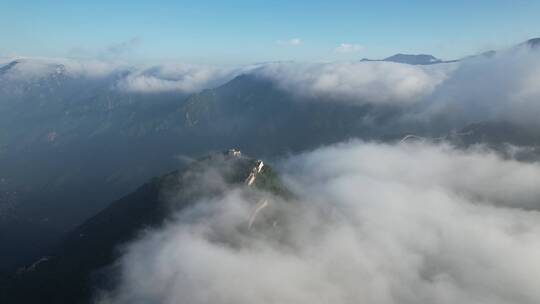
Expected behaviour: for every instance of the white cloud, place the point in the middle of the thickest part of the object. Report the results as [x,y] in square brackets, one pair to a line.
[501,87]
[292,42]
[356,82]
[179,77]
[29,68]
[348,48]
[185,78]
[350,82]
[371,223]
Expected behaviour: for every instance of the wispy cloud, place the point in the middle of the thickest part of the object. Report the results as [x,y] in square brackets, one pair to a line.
[292,42]
[183,78]
[123,47]
[348,48]
[115,51]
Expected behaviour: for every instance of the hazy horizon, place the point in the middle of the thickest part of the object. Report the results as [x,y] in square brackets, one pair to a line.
[243,32]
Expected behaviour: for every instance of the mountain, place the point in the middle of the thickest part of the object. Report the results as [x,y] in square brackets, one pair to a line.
[59,144]
[425,59]
[532,43]
[64,135]
[254,114]
[529,44]
[83,261]
[508,139]
[4,69]
[420,59]
[499,132]
[413,59]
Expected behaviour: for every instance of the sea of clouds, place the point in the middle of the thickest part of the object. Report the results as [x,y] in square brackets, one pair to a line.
[369,223]
[502,86]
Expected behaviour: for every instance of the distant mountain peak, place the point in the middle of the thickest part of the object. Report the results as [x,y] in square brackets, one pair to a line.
[75,266]
[5,68]
[533,43]
[417,59]
[414,59]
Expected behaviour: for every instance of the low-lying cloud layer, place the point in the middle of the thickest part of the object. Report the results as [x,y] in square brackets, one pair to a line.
[31,69]
[371,223]
[503,86]
[182,78]
[356,82]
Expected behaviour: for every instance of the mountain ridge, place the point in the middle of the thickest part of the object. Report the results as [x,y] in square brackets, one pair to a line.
[412,59]
[62,137]
[82,261]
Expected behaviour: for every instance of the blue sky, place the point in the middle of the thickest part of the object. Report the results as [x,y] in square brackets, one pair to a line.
[241,31]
